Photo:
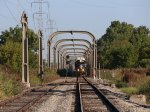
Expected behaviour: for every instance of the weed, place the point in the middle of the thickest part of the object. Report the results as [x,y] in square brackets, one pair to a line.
[121,84]
[130,90]
[8,86]
[144,87]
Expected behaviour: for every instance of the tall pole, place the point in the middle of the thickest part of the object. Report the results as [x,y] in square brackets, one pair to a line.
[91,63]
[99,72]
[40,54]
[61,61]
[94,60]
[49,54]
[58,60]
[54,50]
[25,67]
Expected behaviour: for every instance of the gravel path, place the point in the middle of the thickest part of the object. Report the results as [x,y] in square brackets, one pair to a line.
[60,99]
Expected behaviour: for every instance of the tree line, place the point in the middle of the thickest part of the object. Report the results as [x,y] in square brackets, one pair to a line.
[124,46]
[11,48]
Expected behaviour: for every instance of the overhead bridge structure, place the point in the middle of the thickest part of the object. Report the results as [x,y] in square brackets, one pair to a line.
[72,47]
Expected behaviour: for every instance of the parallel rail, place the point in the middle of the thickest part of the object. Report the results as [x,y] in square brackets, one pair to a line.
[79,95]
[99,94]
[35,100]
[29,102]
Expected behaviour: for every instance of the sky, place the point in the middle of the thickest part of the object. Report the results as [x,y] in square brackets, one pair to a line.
[94,16]
[91,15]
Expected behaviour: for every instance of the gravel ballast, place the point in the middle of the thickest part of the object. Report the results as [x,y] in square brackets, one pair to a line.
[123,104]
[60,99]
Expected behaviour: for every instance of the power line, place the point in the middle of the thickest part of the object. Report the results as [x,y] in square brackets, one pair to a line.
[20,5]
[14,18]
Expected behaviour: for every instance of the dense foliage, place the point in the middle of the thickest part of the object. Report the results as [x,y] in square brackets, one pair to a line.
[11,48]
[124,46]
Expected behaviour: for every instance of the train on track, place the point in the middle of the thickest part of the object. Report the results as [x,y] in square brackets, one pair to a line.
[80,66]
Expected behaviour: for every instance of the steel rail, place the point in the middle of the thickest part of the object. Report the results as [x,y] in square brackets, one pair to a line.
[80,98]
[103,97]
[32,102]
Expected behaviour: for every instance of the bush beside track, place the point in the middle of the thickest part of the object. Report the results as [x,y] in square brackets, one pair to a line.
[130,81]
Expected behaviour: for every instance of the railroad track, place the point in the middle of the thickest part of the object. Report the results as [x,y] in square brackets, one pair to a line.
[25,101]
[91,99]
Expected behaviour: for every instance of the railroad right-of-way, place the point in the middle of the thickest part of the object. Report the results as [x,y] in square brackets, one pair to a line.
[92,100]
[70,95]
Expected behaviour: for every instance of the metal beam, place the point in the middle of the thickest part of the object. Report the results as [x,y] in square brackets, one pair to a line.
[80,32]
[66,40]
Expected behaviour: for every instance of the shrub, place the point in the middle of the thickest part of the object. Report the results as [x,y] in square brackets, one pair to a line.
[48,76]
[121,84]
[11,56]
[106,74]
[144,87]
[35,80]
[8,86]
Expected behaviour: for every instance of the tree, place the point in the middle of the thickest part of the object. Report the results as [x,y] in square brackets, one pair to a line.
[123,45]
[15,35]
[10,55]
[11,48]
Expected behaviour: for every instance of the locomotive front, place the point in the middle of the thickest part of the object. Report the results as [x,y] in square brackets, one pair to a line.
[80,66]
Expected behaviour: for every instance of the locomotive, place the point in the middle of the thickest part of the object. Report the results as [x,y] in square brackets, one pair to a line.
[80,66]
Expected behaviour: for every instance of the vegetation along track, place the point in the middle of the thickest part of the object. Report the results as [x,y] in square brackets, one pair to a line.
[91,99]
[23,102]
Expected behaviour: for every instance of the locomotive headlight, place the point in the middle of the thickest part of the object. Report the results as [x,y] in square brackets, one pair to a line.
[82,70]
[78,70]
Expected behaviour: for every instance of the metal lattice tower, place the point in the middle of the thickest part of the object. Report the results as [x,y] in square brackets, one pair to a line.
[39,12]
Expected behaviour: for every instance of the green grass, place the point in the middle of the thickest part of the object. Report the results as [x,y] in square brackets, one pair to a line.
[112,75]
[48,76]
[130,90]
[105,74]
[121,84]
[8,86]
[136,83]
[10,82]
[144,86]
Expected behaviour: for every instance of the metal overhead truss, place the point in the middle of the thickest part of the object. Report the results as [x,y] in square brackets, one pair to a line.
[61,41]
[66,45]
[53,35]
[68,49]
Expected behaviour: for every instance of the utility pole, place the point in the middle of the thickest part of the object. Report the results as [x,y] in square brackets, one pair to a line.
[40,35]
[54,53]
[25,67]
[49,54]
[39,12]
[50,29]
[99,72]
[58,60]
